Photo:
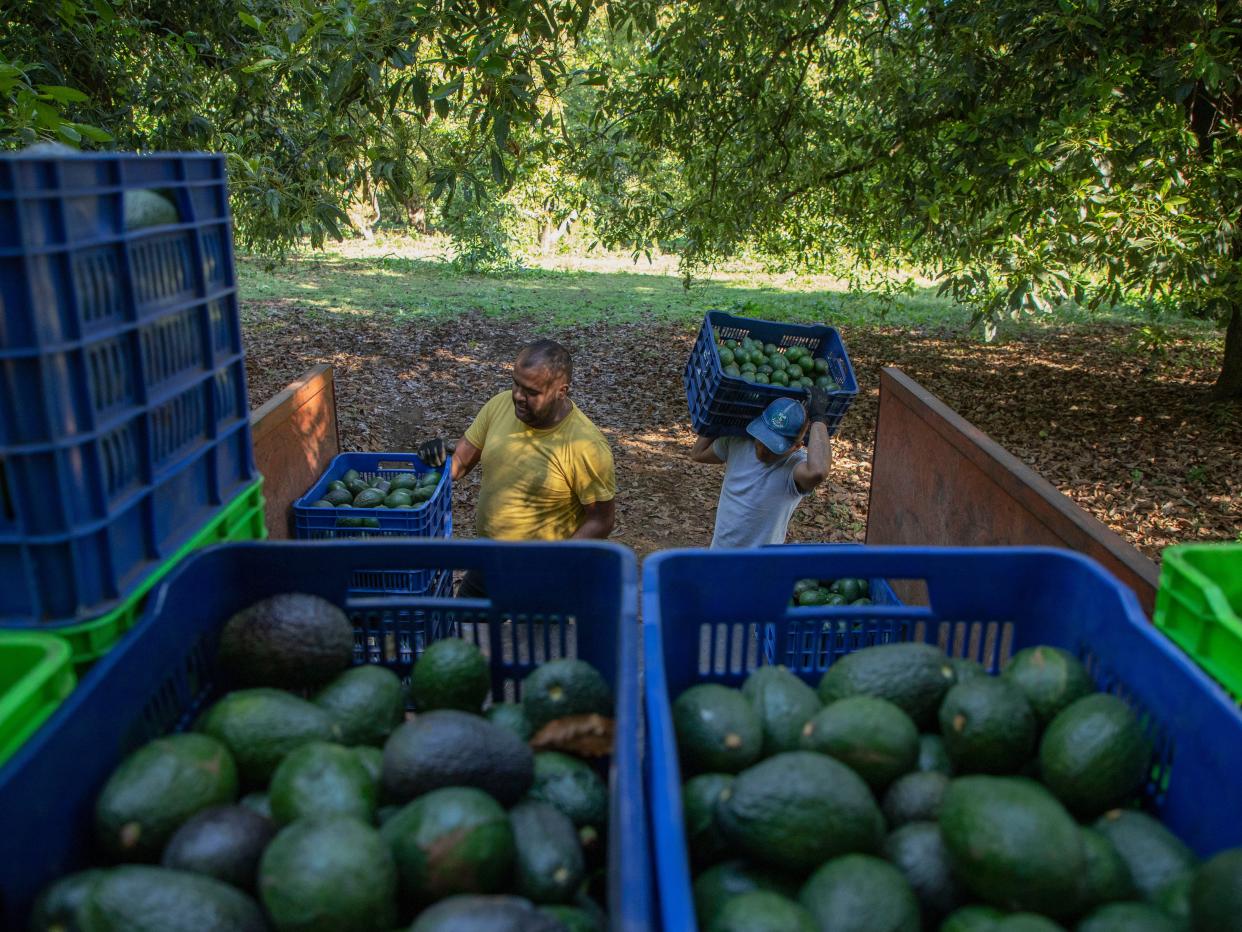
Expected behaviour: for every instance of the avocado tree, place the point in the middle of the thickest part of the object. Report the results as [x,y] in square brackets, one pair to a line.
[315,103]
[1028,153]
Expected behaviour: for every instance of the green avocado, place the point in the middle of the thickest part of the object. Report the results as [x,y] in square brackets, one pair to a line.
[158,787]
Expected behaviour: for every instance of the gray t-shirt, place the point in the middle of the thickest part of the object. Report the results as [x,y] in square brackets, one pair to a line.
[757,499]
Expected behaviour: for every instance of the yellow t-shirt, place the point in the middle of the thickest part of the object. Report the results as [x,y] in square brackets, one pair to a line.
[535,482]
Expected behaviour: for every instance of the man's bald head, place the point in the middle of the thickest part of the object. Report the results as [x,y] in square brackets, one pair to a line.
[547,354]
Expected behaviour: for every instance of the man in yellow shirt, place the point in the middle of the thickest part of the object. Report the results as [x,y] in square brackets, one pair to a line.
[547,470]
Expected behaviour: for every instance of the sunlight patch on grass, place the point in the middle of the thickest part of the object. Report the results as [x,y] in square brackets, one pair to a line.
[402,278]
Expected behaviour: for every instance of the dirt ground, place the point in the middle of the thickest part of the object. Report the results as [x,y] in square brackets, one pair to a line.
[1143,450]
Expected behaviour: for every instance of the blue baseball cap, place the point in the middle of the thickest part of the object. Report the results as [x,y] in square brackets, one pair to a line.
[779,425]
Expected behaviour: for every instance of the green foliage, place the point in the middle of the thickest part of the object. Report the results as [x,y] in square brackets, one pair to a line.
[319,106]
[1028,154]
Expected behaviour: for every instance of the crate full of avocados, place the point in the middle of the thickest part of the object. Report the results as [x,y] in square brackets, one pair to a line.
[124,421]
[244,761]
[380,495]
[1021,751]
[739,365]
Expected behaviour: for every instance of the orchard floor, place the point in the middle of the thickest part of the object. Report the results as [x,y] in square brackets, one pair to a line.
[1131,438]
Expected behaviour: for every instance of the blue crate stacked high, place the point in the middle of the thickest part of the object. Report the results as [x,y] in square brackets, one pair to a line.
[124,419]
[723,402]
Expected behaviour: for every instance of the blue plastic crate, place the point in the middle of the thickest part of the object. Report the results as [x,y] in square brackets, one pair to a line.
[703,610]
[545,600]
[124,419]
[433,518]
[723,404]
[402,582]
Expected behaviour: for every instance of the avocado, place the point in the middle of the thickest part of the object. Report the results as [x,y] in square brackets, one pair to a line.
[917,849]
[224,842]
[511,715]
[322,779]
[1026,922]
[1051,678]
[1155,856]
[988,726]
[135,898]
[258,802]
[261,726]
[59,907]
[1174,899]
[699,796]
[452,840]
[871,736]
[914,797]
[366,702]
[1093,755]
[973,918]
[1216,893]
[761,911]
[549,865]
[850,589]
[485,914]
[372,760]
[402,480]
[338,497]
[783,703]
[329,874]
[572,786]
[452,748]
[1013,845]
[560,688]
[912,676]
[717,729]
[1107,878]
[158,787]
[860,893]
[933,755]
[370,498]
[966,669]
[798,809]
[1133,917]
[450,674]
[291,641]
[719,883]
[398,497]
[571,918]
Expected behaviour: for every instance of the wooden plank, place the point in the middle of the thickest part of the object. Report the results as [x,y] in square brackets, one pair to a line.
[936,479]
[295,437]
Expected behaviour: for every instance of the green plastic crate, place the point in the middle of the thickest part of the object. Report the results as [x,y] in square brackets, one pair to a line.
[36,674]
[1199,607]
[242,519]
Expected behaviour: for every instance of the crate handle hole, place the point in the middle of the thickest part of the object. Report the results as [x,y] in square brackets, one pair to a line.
[151,207]
[7,512]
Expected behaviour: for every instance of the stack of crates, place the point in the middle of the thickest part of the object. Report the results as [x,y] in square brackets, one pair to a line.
[124,419]
[1199,607]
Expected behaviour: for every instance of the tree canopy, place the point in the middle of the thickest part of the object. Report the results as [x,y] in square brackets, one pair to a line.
[1026,153]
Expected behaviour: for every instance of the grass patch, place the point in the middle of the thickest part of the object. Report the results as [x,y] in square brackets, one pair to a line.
[401,278]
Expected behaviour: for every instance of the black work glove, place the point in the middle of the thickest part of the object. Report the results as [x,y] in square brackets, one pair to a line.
[817,407]
[435,452]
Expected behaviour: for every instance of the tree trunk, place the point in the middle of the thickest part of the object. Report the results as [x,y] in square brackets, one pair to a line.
[1229,383]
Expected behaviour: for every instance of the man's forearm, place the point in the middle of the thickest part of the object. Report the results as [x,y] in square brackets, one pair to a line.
[818,451]
[598,521]
[704,450]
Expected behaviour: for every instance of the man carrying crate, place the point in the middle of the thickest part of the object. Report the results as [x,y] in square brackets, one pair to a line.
[547,470]
[768,473]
